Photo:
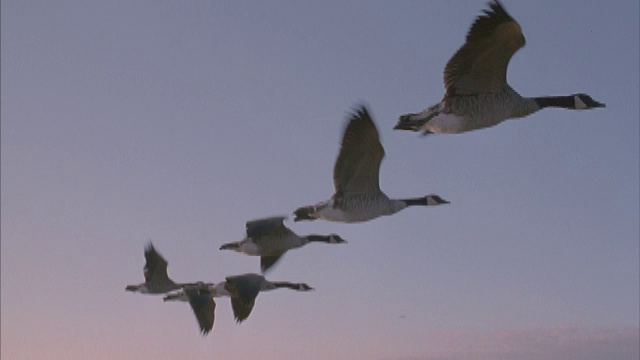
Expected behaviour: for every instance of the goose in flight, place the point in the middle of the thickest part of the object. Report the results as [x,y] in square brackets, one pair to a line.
[357,194]
[200,297]
[477,94]
[269,238]
[243,290]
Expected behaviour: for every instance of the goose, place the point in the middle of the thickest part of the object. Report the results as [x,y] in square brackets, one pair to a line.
[156,280]
[200,297]
[243,290]
[477,93]
[357,194]
[269,238]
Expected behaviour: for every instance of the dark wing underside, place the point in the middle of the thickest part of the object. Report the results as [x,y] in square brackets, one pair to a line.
[203,306]
[266,262]
[243,290]
[241,309]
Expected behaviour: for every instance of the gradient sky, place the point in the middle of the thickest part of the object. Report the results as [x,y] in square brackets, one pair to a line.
[127,121]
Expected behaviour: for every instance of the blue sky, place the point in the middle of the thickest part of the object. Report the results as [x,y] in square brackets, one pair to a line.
[123,122]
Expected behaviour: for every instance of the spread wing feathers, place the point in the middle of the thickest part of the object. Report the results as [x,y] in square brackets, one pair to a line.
[243,290]
[266,262]
[155,266]
[203,306]
[358,165]
[480,65]
[241,309]
[268,226]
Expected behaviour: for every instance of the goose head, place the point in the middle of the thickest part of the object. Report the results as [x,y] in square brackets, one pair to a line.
[584,101]
[336,239]
[304,287]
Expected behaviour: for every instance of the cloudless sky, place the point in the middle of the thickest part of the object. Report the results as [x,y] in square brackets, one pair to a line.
[179,121]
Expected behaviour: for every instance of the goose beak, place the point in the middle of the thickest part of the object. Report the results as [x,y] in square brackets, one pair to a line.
[403,123]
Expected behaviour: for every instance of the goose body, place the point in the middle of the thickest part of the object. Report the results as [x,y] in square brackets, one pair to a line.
[269,238]
[477,94]
[216,290]
[243,290]
[356,179]
[157,281]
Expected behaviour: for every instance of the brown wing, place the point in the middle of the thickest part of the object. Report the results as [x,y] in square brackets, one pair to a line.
[480,65]
[358,165]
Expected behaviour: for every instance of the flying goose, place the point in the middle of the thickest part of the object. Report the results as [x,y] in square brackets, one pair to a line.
[355,177]
[243,290]
[156,280]
[477,93]
[270,239]
[199,295]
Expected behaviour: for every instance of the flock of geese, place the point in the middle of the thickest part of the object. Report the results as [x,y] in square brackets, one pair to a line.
[477,96]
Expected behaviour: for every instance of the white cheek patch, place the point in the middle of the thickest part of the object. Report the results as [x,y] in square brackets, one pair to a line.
[579,104]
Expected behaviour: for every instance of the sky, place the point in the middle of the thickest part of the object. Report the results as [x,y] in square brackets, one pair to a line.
[178,122]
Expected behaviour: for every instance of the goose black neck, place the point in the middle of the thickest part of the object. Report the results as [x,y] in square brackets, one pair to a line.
[415,201]
[284,284]
[429,200]
[230,246]
[318,238]
[566,102]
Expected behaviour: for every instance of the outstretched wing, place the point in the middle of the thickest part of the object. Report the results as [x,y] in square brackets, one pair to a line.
[480,65]
[243,290]
[267,226]
[203,306]
[266,262]
[155,266]
[357,168]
